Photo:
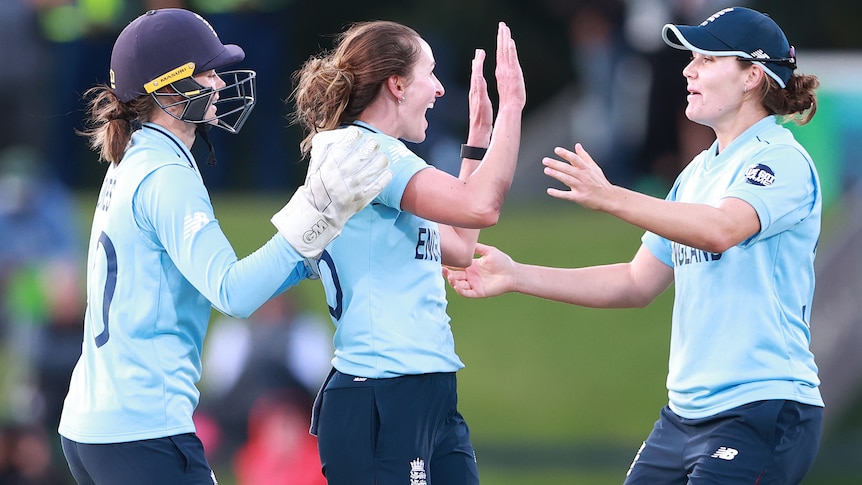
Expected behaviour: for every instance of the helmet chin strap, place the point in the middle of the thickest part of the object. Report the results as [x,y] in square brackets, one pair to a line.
[203,131]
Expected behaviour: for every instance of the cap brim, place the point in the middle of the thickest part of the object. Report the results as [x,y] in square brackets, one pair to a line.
[696,38]
[230,55]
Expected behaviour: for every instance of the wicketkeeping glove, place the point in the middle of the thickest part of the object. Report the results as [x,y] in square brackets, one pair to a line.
[345,173]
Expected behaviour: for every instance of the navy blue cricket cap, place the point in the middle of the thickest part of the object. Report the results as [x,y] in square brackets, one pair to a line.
[741,32]
[163,46]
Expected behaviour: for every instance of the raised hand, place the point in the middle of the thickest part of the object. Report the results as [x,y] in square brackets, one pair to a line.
[587,184]
[481,111]
[510,77]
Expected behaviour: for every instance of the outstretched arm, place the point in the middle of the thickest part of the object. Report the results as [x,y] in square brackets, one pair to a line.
[622,285]
[702,226]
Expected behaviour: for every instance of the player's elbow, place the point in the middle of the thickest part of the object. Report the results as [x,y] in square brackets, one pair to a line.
[630,298]
[718,242]
[236,310]
[641,301]
[641,292]
[482,215]
[488,219]
[724,235]
[459,259]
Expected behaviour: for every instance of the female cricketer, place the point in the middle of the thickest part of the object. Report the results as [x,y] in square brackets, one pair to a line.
[388,414]
[158,260]
[736,235]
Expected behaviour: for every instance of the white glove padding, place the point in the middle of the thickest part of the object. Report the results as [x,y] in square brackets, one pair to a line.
[345,173]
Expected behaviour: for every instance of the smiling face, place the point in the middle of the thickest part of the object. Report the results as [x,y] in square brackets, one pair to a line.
[716,89]
[419,93]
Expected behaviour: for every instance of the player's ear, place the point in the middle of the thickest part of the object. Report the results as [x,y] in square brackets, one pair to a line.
[395,86]
[755,77]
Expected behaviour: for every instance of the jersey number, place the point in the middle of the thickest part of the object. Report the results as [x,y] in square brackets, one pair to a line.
[110,284]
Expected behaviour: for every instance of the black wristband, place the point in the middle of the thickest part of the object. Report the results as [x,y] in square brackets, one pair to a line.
[473,153]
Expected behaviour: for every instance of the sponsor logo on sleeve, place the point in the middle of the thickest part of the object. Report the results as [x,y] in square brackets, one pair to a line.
[759,175]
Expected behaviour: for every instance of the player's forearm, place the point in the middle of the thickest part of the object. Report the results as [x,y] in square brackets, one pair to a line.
[607,286]
[490,181]
[699,226]
[458,245]
[468,166]
[239,287]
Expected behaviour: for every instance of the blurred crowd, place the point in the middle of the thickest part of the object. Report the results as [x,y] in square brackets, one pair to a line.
[41,314]
[261,374]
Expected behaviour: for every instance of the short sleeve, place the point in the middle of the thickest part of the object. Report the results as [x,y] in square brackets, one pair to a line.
[404,165]
[782,188]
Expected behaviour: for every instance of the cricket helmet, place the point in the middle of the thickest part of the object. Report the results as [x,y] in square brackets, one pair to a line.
[158,53]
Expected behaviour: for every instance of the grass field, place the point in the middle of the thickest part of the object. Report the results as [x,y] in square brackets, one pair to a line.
[554,394]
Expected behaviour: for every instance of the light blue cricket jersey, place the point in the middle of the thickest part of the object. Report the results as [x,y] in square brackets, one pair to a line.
[384,284]
[157,262]
[740,330]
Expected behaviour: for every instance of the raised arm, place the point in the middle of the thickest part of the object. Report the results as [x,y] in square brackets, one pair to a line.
[475,198]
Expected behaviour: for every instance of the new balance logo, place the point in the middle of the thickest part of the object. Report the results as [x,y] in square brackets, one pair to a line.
[194,223]
[759,54]
[417,472]
[725,453]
